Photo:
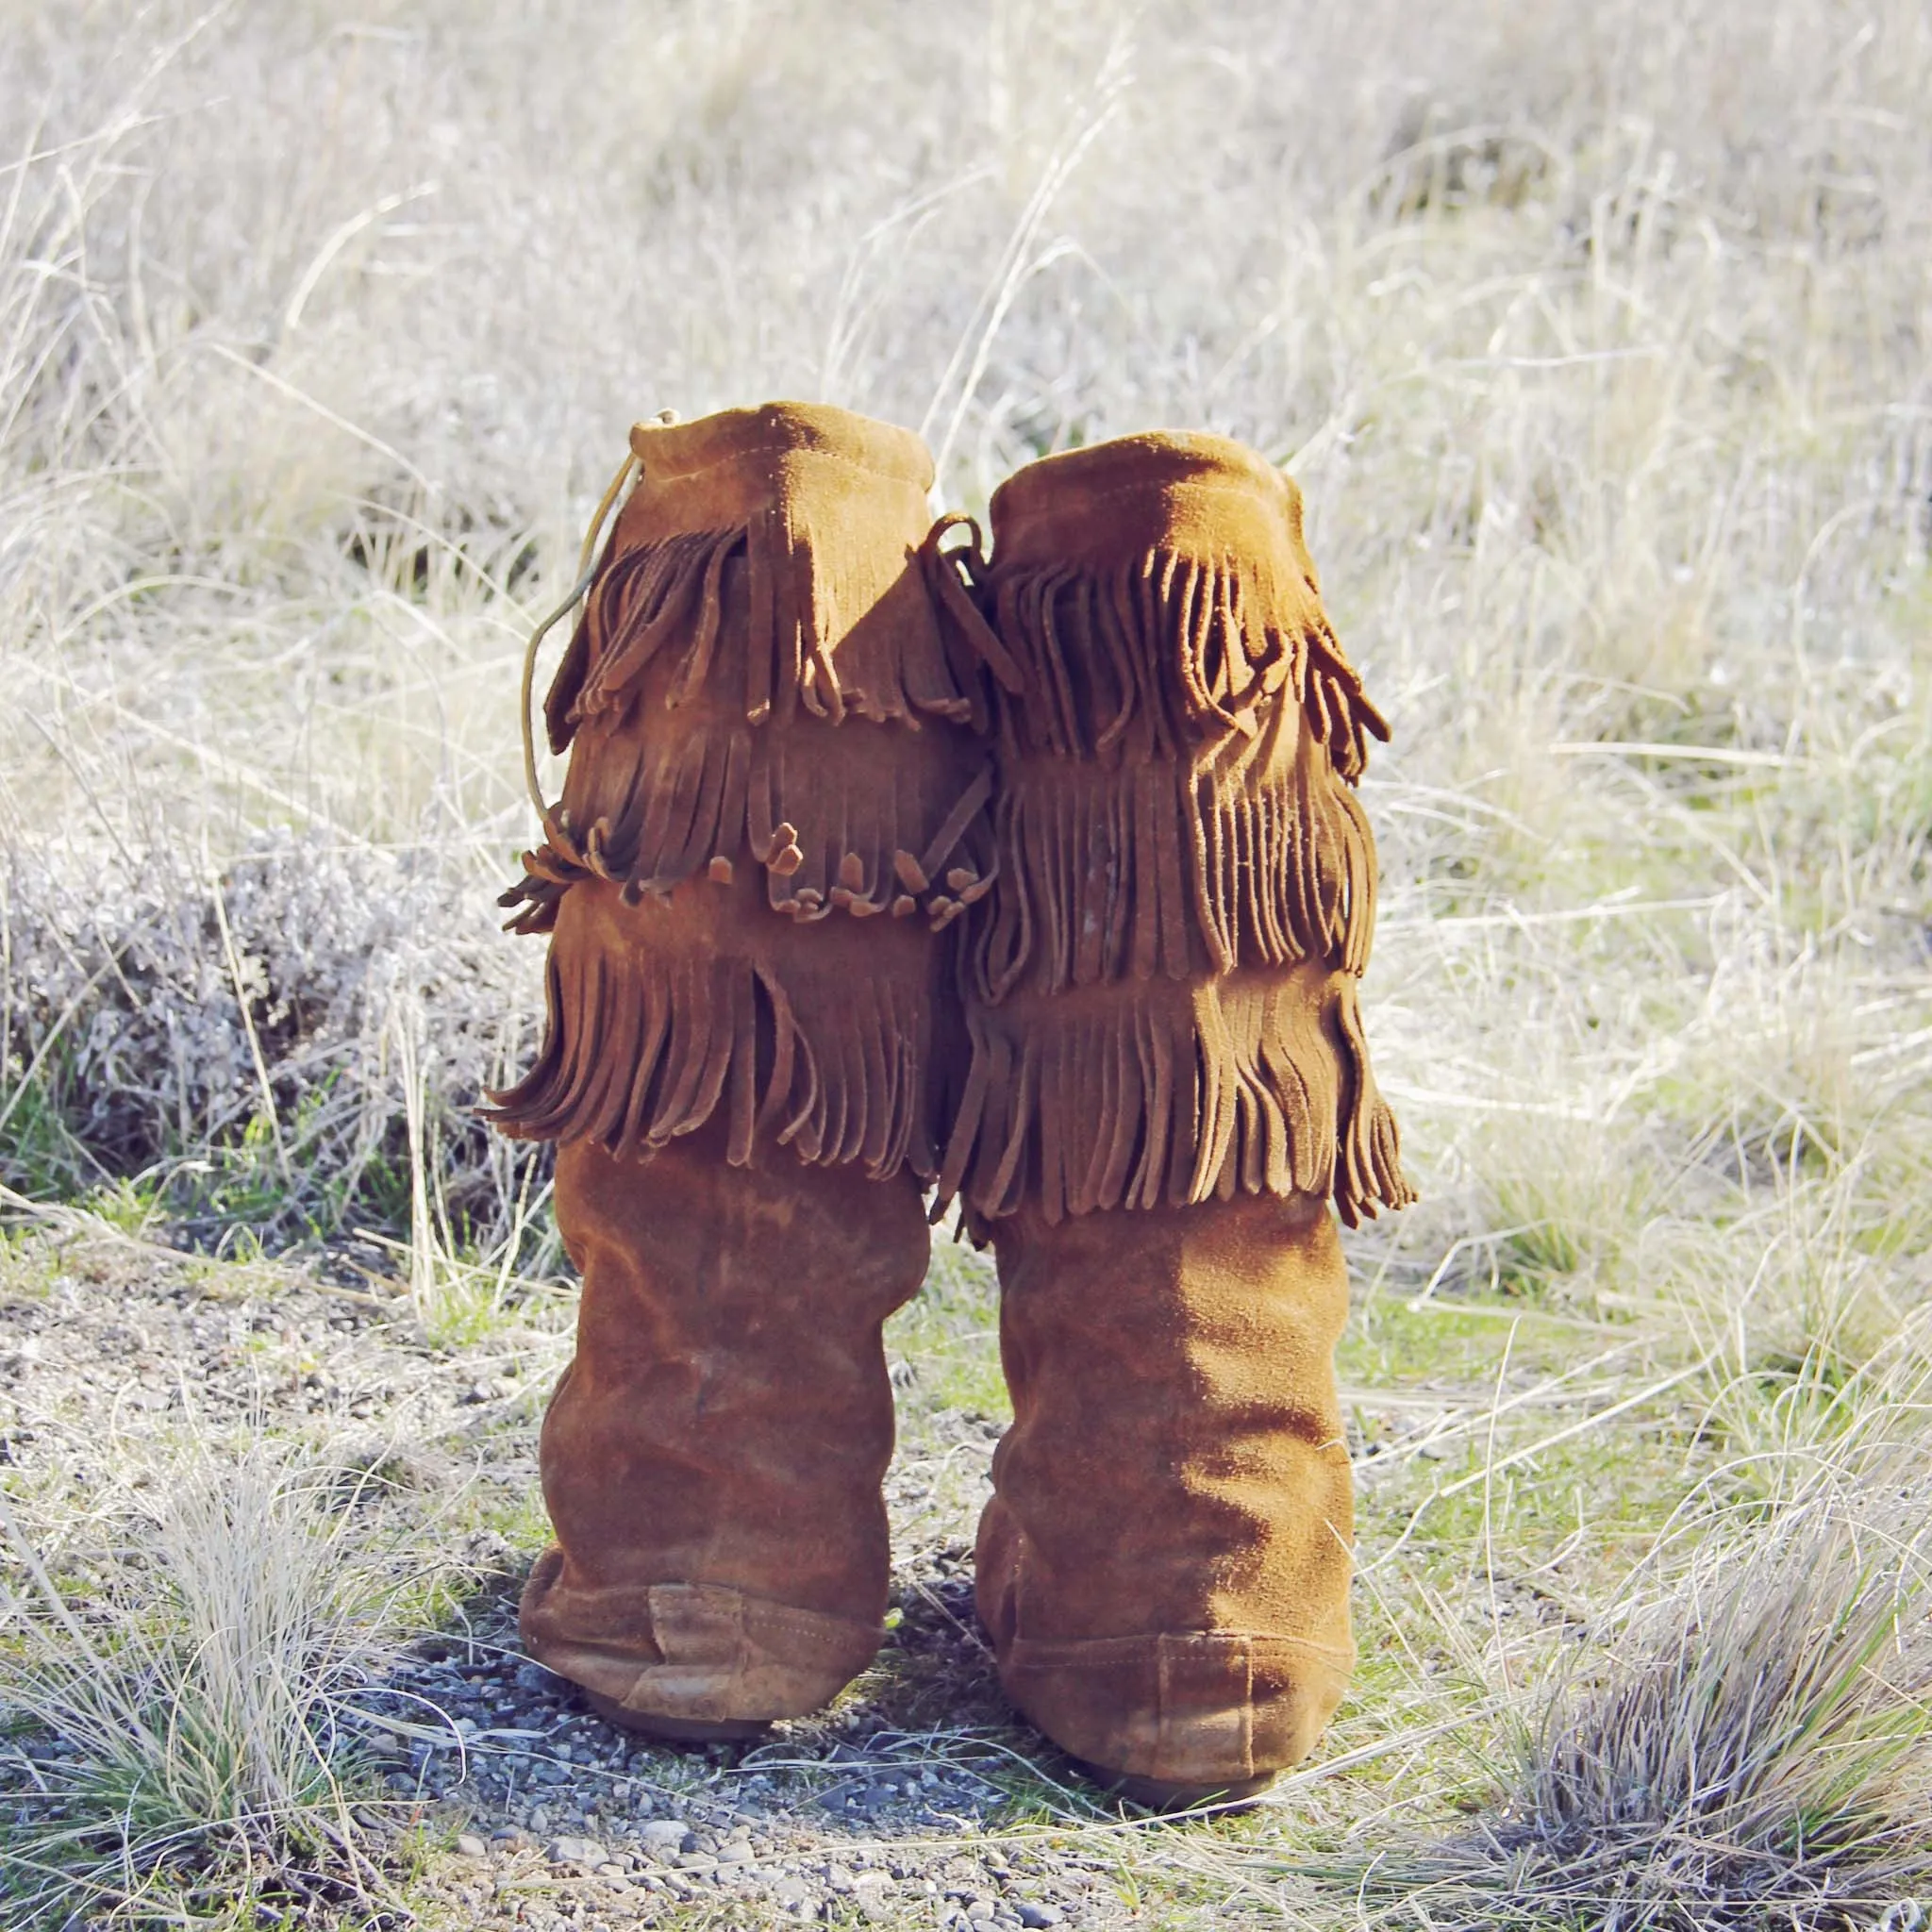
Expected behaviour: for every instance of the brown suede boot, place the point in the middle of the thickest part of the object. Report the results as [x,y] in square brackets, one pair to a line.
[1169,1083]
[774,799]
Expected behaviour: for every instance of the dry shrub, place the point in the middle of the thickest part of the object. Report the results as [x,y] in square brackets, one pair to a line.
[1752,1744]
[239,1045]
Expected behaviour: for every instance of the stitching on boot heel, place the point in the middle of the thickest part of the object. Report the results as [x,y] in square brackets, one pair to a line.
[1206,1704]
[700,1634]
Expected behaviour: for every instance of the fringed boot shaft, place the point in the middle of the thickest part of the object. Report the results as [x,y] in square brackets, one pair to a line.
[1169,1083]
[773,803]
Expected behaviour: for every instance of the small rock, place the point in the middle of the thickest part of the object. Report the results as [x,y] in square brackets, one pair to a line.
[668,1834]
[575,1851]
[471,1846]
[1035,1917]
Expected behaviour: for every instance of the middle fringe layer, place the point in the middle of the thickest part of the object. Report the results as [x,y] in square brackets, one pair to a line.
[1169,868]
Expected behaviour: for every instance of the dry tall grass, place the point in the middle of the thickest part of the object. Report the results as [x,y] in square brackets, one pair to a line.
[1597,337]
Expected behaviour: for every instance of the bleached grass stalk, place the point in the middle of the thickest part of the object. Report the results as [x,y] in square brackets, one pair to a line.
[190,1708]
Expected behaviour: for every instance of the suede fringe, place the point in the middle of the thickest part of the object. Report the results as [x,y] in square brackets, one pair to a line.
[1138,871]
[726,759]
[1244,1086]
[1369,1147]
[808,640]
[1179,738]
[639,1049]
[1184,648]
[880,838]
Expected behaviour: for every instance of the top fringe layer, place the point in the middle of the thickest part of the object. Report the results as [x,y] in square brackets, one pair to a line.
[698,699]
[831,626]
[1164,653]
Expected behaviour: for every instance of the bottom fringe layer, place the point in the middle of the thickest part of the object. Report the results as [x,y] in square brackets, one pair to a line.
[1145,1093]
[654,1028]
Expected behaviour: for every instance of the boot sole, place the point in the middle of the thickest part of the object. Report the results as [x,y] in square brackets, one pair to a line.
[674,1730]
[1168,1794]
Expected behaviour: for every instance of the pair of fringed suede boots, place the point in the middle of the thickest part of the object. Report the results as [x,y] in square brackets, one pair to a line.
[1037,881]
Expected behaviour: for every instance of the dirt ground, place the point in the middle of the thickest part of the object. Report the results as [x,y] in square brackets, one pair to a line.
[916,1800]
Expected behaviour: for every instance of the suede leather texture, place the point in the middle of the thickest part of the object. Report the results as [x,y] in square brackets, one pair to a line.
[1169,1085]
[1164,1566]
[1178,844]
[1137,1061]
[712,1457]
[774,802]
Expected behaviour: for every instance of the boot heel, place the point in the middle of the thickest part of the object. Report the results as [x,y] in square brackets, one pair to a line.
[673,1730]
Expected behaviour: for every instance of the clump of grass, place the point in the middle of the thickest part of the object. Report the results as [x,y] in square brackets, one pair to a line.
[183,1709]
[1753,1748]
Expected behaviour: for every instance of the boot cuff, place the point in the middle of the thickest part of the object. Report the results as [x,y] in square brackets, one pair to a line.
[1163,491]
[763,566]
[674,452]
